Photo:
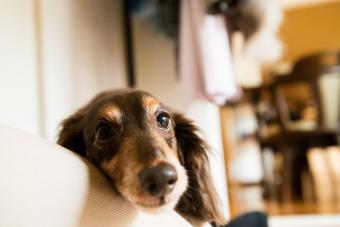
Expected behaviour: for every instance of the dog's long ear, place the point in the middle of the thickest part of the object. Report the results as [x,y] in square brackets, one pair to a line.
[71,129]
[71,132]
[200,199]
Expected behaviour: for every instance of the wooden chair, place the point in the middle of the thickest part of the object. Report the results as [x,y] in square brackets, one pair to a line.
[294,141]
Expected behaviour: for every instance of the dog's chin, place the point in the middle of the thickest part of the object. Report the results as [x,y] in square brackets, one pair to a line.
[164,204]
[159,208]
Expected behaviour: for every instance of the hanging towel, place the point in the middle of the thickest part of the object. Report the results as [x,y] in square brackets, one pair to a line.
[205,69]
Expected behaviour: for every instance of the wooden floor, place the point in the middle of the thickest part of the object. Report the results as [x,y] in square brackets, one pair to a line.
[250,199]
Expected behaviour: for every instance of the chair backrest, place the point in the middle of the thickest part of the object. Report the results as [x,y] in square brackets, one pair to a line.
[318,75]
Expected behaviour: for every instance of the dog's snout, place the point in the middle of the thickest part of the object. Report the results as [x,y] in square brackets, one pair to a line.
[158,181]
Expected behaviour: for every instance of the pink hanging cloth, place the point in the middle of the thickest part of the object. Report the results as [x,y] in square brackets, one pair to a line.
[206,69]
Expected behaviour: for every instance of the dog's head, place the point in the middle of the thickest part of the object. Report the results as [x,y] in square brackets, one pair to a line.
[153,156]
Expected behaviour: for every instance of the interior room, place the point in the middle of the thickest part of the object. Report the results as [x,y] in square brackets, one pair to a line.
[259,78]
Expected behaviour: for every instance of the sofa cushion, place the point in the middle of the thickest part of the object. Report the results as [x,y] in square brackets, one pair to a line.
[43,184]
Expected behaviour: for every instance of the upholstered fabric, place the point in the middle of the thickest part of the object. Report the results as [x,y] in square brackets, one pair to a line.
[43,184]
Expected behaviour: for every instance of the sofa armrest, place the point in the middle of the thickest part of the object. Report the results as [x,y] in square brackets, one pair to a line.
[43,184]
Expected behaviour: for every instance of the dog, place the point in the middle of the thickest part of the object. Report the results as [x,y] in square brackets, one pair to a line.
[153,155]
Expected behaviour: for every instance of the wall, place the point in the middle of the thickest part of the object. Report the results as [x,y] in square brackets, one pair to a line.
[19,102]
[55,56]
[290,4]
[82,54]
[155,63]
[310,29]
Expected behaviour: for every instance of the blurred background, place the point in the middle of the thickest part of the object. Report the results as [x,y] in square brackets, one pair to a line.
[260,77]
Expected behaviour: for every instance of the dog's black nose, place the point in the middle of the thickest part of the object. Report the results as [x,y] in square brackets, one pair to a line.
[159,180]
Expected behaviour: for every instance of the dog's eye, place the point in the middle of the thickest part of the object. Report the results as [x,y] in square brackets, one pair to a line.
[163,120]
[104,131]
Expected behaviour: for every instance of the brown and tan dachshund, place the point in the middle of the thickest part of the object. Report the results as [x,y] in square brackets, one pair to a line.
[153,156]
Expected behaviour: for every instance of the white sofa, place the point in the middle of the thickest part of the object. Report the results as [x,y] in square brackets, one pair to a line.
[43,184]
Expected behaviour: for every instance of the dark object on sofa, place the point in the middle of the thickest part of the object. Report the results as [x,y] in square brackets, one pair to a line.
[253,219]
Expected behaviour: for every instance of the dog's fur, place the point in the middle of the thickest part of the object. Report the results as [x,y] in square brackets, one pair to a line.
[138,142]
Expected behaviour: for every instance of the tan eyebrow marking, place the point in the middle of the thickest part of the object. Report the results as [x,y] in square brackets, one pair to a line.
[150,104]
[111,113]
